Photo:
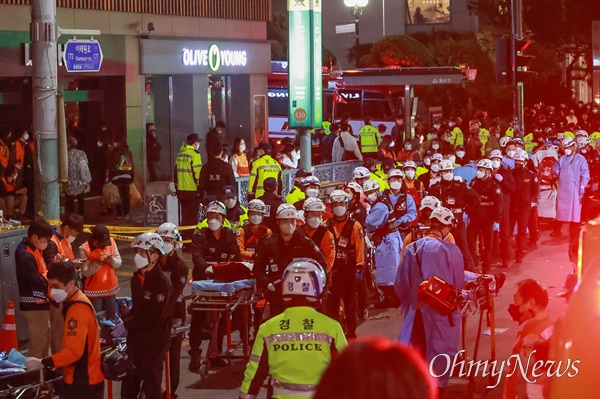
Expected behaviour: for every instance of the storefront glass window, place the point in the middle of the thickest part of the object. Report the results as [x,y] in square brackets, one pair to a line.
[428,12]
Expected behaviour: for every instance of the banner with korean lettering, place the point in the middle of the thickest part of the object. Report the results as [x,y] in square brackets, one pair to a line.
[304,63]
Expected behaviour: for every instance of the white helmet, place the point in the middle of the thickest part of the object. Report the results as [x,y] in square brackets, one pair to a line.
[148,242]
[496,154]
[504,141]
[582,141]
[286,211]
[568,142]
[361,172]
[311,181]
[217,207]
[444,216]
[581,133]
[313,204]
[370,185]
[169,230]
[485,164]
[257,205]
[304,277]
[338,196]
[437,157]
[430,202]
[520,155]
[518,140]
[446,164]
[355,187]
[409,164]
[395,173]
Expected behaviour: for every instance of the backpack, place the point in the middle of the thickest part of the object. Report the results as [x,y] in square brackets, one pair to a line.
[546,173]
[124,164]
[84,172]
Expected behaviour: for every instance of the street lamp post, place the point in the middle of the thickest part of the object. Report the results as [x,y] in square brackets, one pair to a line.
[356,7]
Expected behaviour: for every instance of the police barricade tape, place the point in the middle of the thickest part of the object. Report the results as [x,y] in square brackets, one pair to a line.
[120,229]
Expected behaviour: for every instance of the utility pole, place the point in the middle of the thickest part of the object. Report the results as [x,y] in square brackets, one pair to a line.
[518,90]
[44,36]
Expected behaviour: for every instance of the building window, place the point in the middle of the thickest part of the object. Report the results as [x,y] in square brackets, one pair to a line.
[424,12]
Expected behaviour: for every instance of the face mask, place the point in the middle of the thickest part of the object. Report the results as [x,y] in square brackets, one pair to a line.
[214,224]
[497,135]
[427,161]
[26,136]
[448,176]
[393,143]
[452,158]
[230,202]
[169,247]
[410,174]
[436,126]
[435,146]
[287,229]
[511,153]
[496,164]
[460,154]
[58,294]
[433,136]
[448,139]
[515,313]
[450,124]
[568,151]
[140,262]
[70,239]
[372,197]
[242,147]
[312,192]
[595,111]
[339,210]
[435,168]
[99,144]
[395,185]
[313,223]
[256,219]
[480,174]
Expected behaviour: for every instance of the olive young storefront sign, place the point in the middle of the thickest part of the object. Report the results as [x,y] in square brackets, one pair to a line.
[210,57]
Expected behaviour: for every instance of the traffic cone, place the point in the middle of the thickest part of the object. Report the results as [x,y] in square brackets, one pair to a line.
[8,334]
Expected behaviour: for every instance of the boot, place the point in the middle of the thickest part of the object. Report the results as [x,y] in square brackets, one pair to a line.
[195,360]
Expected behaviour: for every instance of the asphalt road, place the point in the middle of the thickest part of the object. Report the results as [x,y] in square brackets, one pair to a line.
[549,265]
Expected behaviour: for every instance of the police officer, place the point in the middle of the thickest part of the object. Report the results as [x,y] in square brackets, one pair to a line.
[297,192]
[526,194]
[429,179]
[264,167]
[356,209]
[404,206]
[361,174]
[349,261]
[212,244]
[458,197]
[237,214]
[280,249]
[216,174]
[295,346]
[188,164]
[174,267]
[369,138]
[489,212]
[271,201]
[251,234]
[149,321]
[314,228]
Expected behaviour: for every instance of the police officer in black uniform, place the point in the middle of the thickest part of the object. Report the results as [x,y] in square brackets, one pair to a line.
[458,197]
[525,195]
[272,202]
[505,178]
[215,174]
[214,244]
[489,212]
[274,254]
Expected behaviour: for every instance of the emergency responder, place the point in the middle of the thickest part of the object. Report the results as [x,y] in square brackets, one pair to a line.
[316,231]
[210,245]
[264,167]
[490,211]
[361,174]
[424,228]
[297,192]
[102,258]
[369,138]
[216,174]
[592,156]
[188,164]
[251,234]
[296,346]
[237,214]
[404,206]
[349,261]
[272,202]
[34,301]
[461,155]
[80,354]
[382,228]
[410,185]
[175,268]
[148,323]
[475,145]
[375,173]
[424,327]
[356,208]
[525,195]
[429,179]
[459,198]
[457,134]
[493,141]
[508,185]
[280,249]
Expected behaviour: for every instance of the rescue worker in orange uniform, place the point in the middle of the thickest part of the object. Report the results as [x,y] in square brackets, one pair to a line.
[251,234]
[314,229]
[102,257]
[80,356]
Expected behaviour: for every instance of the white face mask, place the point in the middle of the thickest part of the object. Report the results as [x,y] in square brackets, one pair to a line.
[214,224]
[242,147]
[372,197]
[393,143]
[448,139]
[314,222]
[511,154]
[99,144]
[230,202]
[287,229]
[70,239]
[339,210]
[256,219]
[435,146]
[427,161]
[140,262]
[452,158]
[497,135]
[448,176]
[26,136]
[450,124]
[568,151]
[169,247]
[408,147]
[495,163]
[410,174]
[480,174]
[312,192]
[58,295]
[395,185]
[460,154]
[435,168]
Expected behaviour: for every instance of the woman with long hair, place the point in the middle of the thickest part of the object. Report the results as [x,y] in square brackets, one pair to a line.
[238,159]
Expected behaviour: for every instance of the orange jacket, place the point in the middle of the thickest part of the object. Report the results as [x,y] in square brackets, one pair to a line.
[19,154]
[39,259]
[408,239]
[104,282]
[64,247]
[327,245]
[80,354]
[248,244]
[356,239]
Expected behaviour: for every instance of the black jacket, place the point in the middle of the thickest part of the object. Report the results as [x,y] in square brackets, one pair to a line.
[178,272]
[118,159]
[153,148]
[213,138]
[527,190]
[327,147]
[33,286]
[456,196]
[149,323]
[490,193]
[272,201]
[207,248]
[214,176]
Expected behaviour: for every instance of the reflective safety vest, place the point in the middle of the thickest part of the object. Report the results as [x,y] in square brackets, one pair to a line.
[388,227]
[243,168]
[19,154]
[529,143]
[263,168]
[383,184]
[569,134]
[236,224]
[594,138]
[457,136]
[4,154]
[484,135]
[63,246]
[204,224]
[326,127]
[188,164]
[369,139]
[295,195]
[104,282]
[510,132]
[39,298]
[298,345]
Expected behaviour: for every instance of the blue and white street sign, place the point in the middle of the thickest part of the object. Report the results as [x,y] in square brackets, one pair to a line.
[83,56]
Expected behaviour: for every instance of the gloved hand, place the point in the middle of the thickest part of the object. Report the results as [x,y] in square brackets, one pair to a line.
[499,177]
[271,287]
[496,226]
[359,274]
[119,331]
[33,363]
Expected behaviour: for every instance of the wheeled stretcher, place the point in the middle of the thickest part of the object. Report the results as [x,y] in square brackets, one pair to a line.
[34,384]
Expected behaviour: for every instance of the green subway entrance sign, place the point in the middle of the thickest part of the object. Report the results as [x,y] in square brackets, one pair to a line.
[304,64]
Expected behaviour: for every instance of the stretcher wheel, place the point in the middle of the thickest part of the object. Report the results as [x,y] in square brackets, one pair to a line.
[204,370]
